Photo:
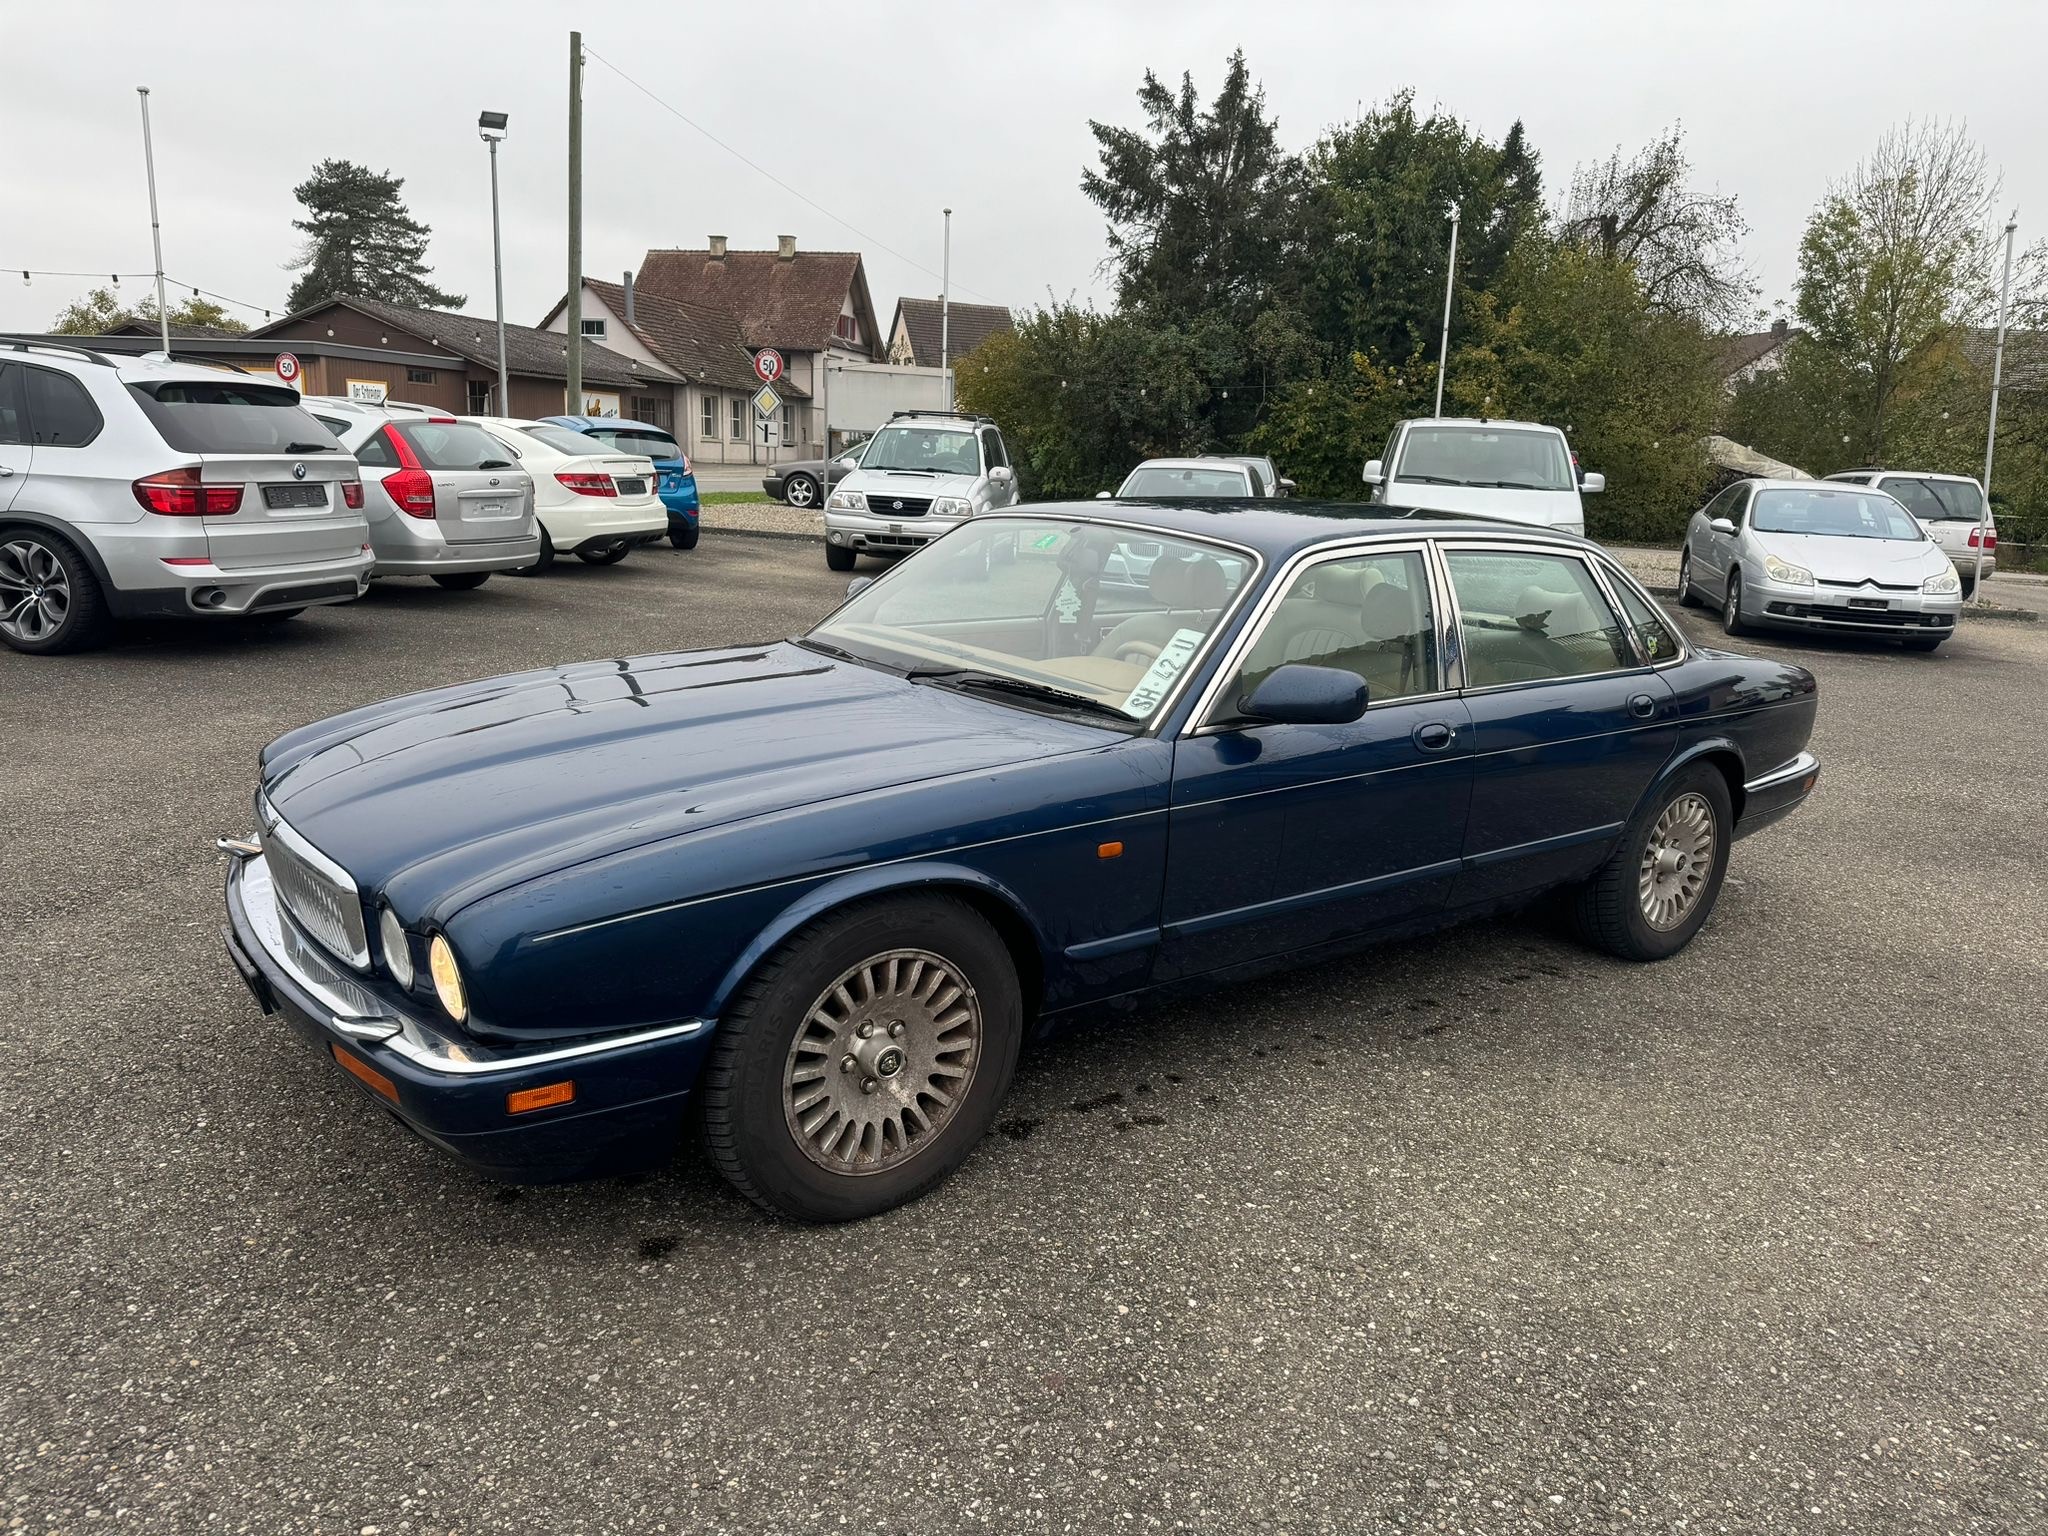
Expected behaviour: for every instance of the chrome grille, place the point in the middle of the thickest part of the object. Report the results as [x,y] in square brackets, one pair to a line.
[315,891]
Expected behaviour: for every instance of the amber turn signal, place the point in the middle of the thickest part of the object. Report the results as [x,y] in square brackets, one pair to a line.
[547,1096]
[377,1081]
[1109,850]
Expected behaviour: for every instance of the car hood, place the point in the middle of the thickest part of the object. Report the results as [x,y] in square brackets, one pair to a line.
[884,482]
[439,798]
[1891,561]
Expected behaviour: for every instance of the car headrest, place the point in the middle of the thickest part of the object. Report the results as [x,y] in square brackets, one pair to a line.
[1336,584]
[1553,613]
[1388,612]
[1191,581]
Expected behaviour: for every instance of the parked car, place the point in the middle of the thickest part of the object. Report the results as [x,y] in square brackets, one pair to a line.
[592,504]
[443,497]
[678,481]
[798,481]
[1169,479]
[815,893]
[921,475]
[140,487]
[1811,554]
[1950,507]
[1520,471]
[1266,475]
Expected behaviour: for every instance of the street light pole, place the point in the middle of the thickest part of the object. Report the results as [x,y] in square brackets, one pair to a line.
[1991,434]
[491,127]
[574,391]
[1443,354]
[156,232]
[945,311]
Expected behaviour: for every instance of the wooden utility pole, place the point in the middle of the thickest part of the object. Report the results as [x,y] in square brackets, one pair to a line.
[574,390]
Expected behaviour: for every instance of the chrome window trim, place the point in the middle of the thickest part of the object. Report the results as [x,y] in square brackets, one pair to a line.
[1200,722]
[1586,556]
[1153,723]
[272,824]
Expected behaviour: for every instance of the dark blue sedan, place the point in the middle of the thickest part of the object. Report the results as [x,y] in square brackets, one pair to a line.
[1064,755]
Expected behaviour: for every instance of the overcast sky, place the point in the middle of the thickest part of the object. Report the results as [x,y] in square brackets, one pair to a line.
[885,113]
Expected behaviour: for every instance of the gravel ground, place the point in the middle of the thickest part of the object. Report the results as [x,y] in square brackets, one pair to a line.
[1480,1233]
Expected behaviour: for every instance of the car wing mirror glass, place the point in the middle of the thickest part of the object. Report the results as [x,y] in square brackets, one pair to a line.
[1299,694]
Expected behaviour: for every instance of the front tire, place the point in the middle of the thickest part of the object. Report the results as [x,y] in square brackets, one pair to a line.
[50,601]
[1732,621]
[1656,891]
[462,581]
[864,1060]
[839,558]
[1687,598]
[611,556]
[800,491]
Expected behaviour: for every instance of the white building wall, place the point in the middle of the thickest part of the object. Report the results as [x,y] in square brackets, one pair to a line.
[864,394]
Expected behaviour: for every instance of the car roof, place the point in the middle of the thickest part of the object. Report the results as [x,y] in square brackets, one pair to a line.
[1280,528]
[1763,483]
[1917,474]
[1482,421]
[1203,463]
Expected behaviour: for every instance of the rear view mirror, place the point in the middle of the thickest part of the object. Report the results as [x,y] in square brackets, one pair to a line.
[1374,472]
[1721,525]
[1592,481]
[1297,694]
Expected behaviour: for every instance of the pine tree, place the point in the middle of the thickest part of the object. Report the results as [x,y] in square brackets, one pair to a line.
[361,242]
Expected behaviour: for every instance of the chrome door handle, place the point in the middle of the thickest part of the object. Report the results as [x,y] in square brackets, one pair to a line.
[1642,706]
[1434,736]
[5,471]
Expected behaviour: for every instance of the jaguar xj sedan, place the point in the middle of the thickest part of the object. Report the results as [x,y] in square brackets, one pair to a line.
[812,895]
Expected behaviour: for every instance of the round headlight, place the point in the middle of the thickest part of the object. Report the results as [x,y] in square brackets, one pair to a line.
[447,979]
[397,951]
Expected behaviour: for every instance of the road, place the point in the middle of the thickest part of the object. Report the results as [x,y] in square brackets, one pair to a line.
[1479,1233]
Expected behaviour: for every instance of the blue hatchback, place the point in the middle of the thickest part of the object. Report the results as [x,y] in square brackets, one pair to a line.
[676,483]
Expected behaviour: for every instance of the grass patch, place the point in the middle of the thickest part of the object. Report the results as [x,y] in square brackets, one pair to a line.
[736,499]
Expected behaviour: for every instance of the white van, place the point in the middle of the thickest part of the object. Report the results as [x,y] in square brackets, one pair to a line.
[1517,471]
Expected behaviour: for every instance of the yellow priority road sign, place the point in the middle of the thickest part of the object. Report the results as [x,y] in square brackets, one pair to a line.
[767,400]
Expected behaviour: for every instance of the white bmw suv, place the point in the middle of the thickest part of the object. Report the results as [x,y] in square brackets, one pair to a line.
[923,474]
[133,487]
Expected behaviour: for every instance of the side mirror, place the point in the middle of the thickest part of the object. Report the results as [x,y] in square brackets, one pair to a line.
[1102,496]
[1374,472]
[859,584]
[1592,482]
[1721,525]
[1297,694]
[1288,487]
[1002,474]
[848,461]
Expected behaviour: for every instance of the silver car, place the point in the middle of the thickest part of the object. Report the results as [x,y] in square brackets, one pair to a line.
[922,475]
[1813,554]
[139,487]
[443,497]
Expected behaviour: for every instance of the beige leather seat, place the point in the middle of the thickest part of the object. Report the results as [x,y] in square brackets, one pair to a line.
[1192,590]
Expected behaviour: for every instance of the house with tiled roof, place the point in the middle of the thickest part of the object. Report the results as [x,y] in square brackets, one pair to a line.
[809,306]
[928,334]
[1742,358]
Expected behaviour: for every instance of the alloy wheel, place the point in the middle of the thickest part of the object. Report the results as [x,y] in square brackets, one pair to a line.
[882,1061]
[1677,861]
[801,492]
[35,591]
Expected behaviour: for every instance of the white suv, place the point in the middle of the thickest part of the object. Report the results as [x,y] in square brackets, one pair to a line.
[133,487]
[923,474]
[1517,471]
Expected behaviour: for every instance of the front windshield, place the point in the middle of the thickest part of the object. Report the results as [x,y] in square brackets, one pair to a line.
[1842,514]
[1045,613]
[1157,482]
[1938,501]
[922,451]
[1509,458]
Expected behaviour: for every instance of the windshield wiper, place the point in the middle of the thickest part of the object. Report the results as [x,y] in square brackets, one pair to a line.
[899,469]
[968,677]
[310,448]
[826,648]
[1430,479]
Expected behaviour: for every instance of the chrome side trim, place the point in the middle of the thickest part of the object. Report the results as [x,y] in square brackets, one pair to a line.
[1798,768]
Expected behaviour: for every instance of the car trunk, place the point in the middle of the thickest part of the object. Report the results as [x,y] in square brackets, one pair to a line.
[480,494]
[292,510]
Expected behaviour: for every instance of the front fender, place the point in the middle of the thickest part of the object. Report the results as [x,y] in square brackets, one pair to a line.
[858,885]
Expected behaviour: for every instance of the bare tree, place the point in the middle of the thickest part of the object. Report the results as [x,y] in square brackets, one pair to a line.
[1684,242]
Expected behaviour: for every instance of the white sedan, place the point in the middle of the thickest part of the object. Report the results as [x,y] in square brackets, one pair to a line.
[596,506]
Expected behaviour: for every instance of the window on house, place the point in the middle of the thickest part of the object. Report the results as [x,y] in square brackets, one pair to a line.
[848,329]
[419,375]
[594,329]
[655,410]
[739,420]
[708,425]
[792,423]
[479,397]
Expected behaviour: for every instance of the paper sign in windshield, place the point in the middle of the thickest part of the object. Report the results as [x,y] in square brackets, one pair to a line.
[1158,678]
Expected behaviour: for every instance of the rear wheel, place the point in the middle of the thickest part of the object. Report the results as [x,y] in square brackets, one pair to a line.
[839,558]
[1731,607]
[800,491]
[1653,895]
[683,537]
[864,1060]
[463,581]
[545,559]
[1687,598]
[50,601]
[608,556]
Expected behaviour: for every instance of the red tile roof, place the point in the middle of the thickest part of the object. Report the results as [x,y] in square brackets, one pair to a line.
[967,327]
[791,303]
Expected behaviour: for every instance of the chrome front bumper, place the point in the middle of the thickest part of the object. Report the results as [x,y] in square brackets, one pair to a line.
[883,535]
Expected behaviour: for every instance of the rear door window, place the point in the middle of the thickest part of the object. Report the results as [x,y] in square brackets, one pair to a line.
[1529,617]
[13,419]
[60,413]
[200,416]
[452,445]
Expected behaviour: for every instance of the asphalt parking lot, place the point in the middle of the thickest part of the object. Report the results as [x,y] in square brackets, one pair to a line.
[1481,1233]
